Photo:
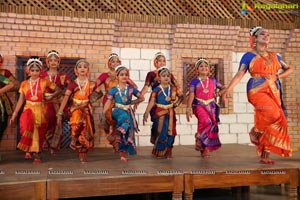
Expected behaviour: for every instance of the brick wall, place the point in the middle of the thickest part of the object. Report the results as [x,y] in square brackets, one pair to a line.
[136,43]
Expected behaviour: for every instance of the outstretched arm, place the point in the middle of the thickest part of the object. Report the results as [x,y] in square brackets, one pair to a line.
[236,79]
[143,92]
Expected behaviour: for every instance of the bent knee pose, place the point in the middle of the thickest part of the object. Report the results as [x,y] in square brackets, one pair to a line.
[164,99]
[264,92]
[126,125]
[202,102]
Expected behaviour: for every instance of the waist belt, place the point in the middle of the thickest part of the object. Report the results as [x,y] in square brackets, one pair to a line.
[79,101]
[164,106]
[33,103]
[124,107]
[206,102]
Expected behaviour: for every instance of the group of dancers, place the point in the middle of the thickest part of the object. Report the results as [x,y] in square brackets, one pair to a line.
[48,93]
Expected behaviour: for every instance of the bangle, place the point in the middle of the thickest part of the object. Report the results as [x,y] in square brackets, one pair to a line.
[59,113]
[188,110]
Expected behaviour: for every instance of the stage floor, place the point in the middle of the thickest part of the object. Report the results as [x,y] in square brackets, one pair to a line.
[63,176]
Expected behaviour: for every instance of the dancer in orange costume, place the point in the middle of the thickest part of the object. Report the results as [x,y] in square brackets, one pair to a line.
[81,120]
[33,123]
[264,91]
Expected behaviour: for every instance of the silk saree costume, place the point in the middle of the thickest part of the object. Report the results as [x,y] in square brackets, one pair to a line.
[33,120]
[204,108]
[110,126]
[81,118]
[152,81]
[270,131]
[163,130]
[54,134]
[126,124]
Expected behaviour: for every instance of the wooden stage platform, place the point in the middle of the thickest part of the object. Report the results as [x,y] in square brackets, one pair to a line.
[63,176]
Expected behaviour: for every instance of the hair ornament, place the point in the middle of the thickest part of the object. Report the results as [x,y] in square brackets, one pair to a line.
[119,67]
[113,55]
[80,61]
[201,60]
[163,69]
[53,52]
[34,62]
[158,54]
[255,30]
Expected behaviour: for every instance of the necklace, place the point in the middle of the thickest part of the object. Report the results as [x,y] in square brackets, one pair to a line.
[168,98]
[50,77]
[124,98]
[205,89]
[82,91]
[34,96]
[268,61]
[111,75]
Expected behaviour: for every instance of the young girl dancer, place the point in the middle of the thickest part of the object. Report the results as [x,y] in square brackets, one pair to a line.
[122,113]
[54,134]
[81,120]
[201,102]
[33,123]
[165,97]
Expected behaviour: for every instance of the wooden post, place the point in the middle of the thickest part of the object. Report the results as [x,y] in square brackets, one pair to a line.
[52,190]
[188,187]
[40,190]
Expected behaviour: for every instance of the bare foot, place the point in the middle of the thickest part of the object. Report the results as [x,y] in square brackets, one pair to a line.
[28,156]
[52,152]
[37,161]
[82,158]
[204,154]
[169,157]
[124,159]
[72,146]
[267,161]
